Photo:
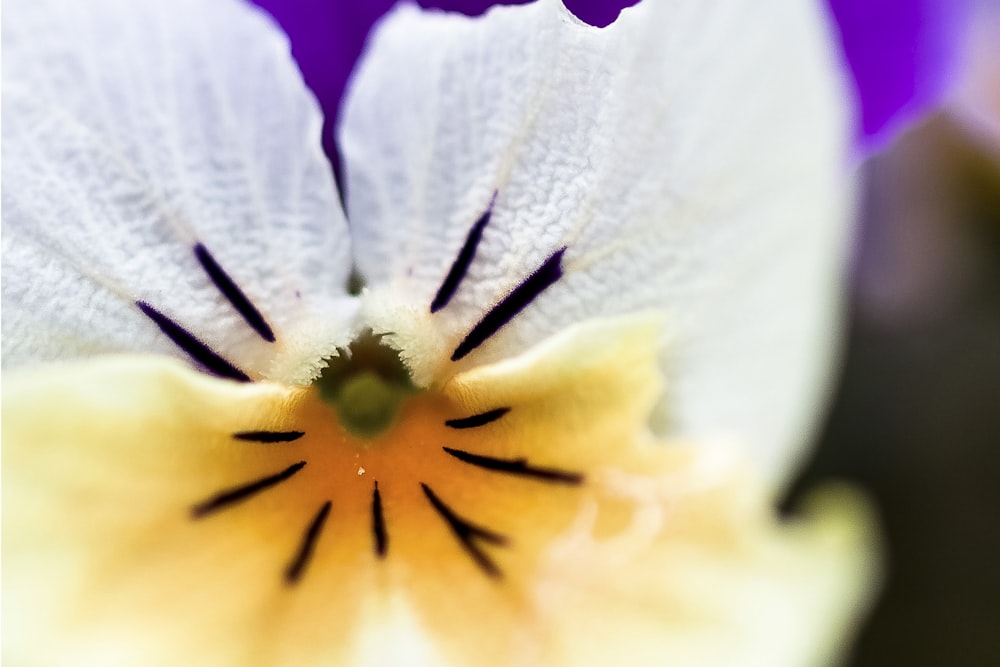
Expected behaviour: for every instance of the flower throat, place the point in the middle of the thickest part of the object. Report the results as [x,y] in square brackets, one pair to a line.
[367,385]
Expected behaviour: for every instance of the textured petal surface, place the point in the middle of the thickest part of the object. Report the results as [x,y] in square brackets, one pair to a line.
[327,37]
[134,131]
[117,551]
[901,53]
[689,157]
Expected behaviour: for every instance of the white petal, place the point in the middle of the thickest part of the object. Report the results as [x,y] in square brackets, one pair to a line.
[689,157]
[134,130]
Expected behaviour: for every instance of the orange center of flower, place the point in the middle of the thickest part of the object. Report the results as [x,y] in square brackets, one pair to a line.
[374,470]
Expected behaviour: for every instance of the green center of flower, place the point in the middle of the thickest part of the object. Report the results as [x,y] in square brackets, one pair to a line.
[367,385]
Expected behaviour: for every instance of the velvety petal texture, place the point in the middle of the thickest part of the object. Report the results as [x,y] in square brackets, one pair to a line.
[163,183]
[151,523]
[509,176]
[328,37]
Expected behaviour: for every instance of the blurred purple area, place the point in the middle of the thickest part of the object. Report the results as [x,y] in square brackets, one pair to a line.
[901,52]
[903,55]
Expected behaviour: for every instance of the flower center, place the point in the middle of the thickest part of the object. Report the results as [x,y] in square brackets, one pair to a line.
[468,479]
[367,386]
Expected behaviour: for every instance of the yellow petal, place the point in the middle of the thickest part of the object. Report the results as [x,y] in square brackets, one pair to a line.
[707,577]
[102,462]
[556,530]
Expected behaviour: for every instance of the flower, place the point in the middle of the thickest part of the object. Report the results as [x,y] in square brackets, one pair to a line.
[553,224]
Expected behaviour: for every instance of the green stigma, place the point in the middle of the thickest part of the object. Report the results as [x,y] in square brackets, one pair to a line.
[367,385]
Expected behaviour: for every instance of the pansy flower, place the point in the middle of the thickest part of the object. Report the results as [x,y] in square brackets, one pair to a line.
[530,405]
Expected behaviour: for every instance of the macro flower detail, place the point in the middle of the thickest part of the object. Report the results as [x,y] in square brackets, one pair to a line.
[593,303]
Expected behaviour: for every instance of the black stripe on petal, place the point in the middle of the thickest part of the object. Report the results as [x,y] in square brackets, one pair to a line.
[268,436]
[517,467]
[462,262]
[378,525]
[230,497]
[295,569]
[467,534]
[191,346]
[481,419]
[527,291]
[233,293]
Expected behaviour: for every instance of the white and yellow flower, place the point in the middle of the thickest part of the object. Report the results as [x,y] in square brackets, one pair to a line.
[600,274]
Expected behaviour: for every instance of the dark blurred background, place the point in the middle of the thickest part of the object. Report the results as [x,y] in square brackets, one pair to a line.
[915,420]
